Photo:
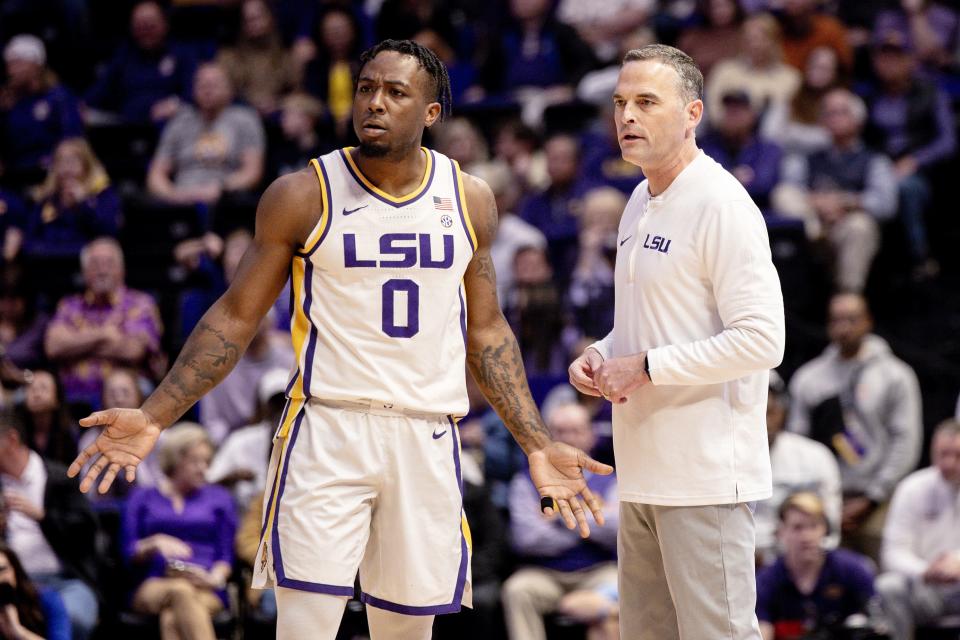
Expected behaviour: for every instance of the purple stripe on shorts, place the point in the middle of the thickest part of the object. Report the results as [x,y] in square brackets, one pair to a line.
[407,609]
[263,529]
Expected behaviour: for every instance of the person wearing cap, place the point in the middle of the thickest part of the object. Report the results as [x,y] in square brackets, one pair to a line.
[862,402]
[809,589]
[841,193]
[36,111]
[241,462]
[734,143]
[798,464]
[912,120]
[921,541]
[231,405]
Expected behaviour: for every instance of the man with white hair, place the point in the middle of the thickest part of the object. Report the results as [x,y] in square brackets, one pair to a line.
[555,561]
[842,192]
[37,114]
[105,327]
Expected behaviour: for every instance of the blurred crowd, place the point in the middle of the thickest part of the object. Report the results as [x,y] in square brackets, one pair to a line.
[137,136]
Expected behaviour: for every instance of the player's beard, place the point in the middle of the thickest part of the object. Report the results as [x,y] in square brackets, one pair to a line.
[374,149]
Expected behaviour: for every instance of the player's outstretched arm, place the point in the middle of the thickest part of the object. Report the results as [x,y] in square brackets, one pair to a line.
[495,362]
[217,342]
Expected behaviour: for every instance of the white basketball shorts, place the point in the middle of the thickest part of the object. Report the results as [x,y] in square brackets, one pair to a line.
[370,489]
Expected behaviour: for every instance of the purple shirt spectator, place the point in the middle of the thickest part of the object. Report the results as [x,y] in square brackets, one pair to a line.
[207,523]
[133,313]
[55,230]
[900,118]
[756,164]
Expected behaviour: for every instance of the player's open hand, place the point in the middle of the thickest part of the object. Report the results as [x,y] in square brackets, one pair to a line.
[557,472]
[128,436]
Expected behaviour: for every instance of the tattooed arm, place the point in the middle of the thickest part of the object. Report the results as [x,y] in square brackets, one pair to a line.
[496,364]
[220,338]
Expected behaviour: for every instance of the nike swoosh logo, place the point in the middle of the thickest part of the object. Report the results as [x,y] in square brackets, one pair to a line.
[437,436]
[347,212]
[624,240]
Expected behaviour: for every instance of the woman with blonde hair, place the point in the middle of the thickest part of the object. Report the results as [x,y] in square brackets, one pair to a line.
[74,205]
[179,538]
[759,70]
[259,66]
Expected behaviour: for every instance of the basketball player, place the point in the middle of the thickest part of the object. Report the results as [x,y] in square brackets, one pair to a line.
[698,323]
[388,245]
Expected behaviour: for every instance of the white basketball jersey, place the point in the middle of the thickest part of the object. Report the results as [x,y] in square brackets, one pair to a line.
[379,309]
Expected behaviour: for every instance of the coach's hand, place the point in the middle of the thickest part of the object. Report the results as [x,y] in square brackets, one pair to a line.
[583,369]
[128,436]
[617,378]
[557,472]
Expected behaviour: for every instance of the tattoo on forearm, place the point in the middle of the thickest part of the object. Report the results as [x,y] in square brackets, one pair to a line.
[484,269]
[498,369]
[205,359]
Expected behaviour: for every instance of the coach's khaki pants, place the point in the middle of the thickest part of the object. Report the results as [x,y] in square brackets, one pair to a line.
[687,573]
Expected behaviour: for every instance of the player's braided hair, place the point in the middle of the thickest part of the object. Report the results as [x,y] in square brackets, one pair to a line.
[427,60]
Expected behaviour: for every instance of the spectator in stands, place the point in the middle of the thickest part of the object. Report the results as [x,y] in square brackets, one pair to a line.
[149,77]
[459,138]
[864,403]
[513,233]
[210,150]
[806,27]
[799,465]
[518,146]
[810,590]
[533,307]
[231,405]
[22,327]
[555,560]
[240,463]
[597,608]
[31,613]
[49,525]
[13,217]
[106,326]
[555,211]
[843,192]
[759,70]
[36,112]
[74,205]
[259,66]
[464,76]
[299,138]
[717,34]
[537,60]
[591,288]
[797,125]
[921,541]
[933,26]
[734,143]
[916,127]
[403,19]
[603,25]
[50,430]
[329,75]
[601,158]
[180,540]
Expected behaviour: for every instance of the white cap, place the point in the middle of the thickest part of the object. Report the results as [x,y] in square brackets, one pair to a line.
[26,47]
[273,382]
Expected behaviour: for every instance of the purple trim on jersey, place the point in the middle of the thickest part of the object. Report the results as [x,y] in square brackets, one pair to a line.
[463,316]
[312,342]
[455,604]
[463,218]
[397,205]
[326,187]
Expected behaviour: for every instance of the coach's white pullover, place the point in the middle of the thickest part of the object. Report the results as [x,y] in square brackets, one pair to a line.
[696,289]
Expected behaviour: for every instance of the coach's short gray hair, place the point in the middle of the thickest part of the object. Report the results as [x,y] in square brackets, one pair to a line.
[691,80]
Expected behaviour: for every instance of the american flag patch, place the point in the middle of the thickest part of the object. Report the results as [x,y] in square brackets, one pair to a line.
[442,204]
